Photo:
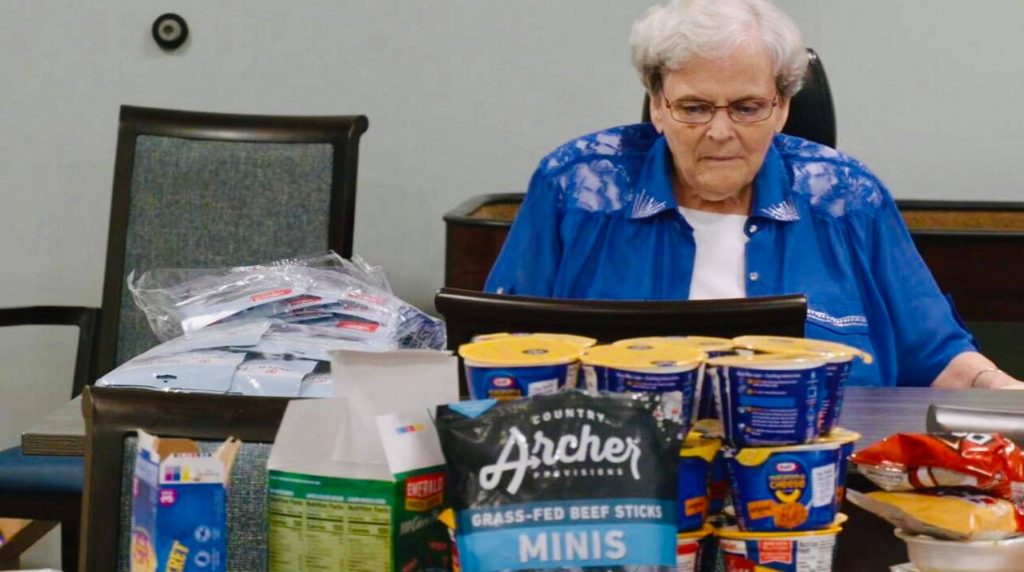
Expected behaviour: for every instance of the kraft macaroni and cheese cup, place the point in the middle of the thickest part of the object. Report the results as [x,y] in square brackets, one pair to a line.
[784,488]
[579,341]
[447,517]
[514,367]
[767,400]
[846,439]
[713,347]
[838,358]
[648,367]
[779,551]
[718,484]
[696,550]
[695,459]
[718,475]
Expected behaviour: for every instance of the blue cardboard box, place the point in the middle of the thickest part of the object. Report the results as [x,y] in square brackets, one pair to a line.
[179,505]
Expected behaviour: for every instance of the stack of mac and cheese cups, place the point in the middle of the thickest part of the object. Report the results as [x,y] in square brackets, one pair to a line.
[786,457]
[671,364]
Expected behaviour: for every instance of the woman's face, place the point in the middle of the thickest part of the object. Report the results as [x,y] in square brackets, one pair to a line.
[719,160]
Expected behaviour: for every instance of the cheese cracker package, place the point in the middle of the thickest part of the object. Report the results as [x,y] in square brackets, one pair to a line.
[566,481]
[954,514]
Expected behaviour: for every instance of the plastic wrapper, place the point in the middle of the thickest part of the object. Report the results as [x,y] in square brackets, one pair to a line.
[240,335]
[953,514]
[317,385]
[340,298]
[910,461]
[301,342]
[271,377]
[566,481]
[201,371]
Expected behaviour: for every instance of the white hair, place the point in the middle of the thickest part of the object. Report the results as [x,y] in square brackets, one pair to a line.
[666,36]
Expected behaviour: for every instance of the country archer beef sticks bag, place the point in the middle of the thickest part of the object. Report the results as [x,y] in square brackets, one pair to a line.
[567,481]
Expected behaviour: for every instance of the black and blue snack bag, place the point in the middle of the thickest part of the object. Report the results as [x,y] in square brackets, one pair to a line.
[569,481]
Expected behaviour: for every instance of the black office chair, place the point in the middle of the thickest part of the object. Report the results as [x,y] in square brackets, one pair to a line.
[196,190]
[111,419]
[811,112]
[468,313]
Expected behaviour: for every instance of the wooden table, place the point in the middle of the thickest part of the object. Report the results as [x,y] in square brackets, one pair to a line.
[866,542]
[872,412]
[61,433]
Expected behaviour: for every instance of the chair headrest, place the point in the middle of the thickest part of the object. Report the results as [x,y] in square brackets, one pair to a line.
[811,113]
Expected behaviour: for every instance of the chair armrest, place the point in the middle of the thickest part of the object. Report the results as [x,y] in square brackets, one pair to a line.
[86,318]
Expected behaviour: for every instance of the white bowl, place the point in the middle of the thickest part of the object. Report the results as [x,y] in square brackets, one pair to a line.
[933,555]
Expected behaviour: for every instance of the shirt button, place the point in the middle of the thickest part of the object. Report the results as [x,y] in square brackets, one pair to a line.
[754,276]
[753,228]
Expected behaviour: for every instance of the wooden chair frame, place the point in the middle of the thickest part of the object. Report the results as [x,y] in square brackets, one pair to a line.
[113,414]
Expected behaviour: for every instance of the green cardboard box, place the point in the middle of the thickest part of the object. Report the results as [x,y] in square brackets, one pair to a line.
[356,482]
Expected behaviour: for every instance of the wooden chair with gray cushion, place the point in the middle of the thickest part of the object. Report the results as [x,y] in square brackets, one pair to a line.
[196,190]
[111,418]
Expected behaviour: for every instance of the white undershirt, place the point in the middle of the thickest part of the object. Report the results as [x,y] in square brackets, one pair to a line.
[718,265]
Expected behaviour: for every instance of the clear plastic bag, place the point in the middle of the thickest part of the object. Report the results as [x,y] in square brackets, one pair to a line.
[322,296]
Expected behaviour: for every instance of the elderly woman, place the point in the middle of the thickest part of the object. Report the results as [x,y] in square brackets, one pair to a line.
[712,201]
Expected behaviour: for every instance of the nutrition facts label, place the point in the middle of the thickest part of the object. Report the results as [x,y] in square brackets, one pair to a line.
[314,526]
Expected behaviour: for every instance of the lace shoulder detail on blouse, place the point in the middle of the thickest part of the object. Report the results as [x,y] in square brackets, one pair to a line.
[597,172]
[833,183]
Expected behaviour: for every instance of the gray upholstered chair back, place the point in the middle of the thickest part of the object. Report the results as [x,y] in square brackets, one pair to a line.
[247,506]
[202,190]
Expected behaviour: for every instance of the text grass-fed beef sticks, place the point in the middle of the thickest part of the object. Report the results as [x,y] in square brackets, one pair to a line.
[564,481]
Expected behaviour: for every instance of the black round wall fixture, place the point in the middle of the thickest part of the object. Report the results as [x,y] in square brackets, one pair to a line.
[170,31]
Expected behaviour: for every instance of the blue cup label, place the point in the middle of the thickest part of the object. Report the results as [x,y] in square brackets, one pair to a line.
[789,491]
[692,499]
[504,383]
[835,390]
[760,407]
[603,378]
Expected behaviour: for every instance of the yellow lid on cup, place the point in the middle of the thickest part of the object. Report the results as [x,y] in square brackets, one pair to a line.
[519,351]
[737,534]
[787,345]
[580,341]
[647,356]
[702,532]
[703,343]
[770,361]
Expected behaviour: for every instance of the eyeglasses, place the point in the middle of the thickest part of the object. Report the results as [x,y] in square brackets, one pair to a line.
[697,112]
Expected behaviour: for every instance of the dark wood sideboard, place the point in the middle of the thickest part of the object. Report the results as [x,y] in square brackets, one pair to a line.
[974,249]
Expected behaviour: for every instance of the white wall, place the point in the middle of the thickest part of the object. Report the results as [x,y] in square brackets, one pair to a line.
[464,96]
[926,91]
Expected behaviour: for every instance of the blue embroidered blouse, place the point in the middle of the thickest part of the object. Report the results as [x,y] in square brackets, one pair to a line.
[600,221]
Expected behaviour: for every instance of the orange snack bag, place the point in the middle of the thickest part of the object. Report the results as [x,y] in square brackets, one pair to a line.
[910,461]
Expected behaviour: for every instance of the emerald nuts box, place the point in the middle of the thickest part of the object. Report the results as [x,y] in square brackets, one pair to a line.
[356,482]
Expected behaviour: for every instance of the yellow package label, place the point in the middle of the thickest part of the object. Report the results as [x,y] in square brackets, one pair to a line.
[697,505]
[761,509]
